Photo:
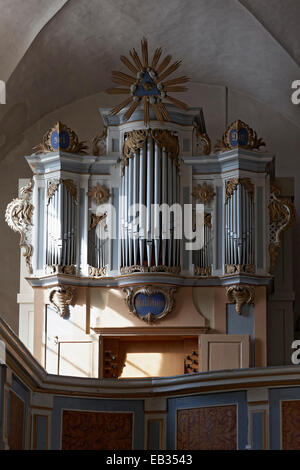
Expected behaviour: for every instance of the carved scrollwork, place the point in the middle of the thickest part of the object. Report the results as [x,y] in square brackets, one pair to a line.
[204,139]
[97,219]
[134,140]
[99,194]
[199,271]
[153,269]
[167,140]
[68,183]
[18,216]
[239,268]
[99,143]
[58,269]
[61,298]
[204,193]
[240,295]
[60,137]
[149,291]
[232,184]
[97,272]
[282,216]
[239,134]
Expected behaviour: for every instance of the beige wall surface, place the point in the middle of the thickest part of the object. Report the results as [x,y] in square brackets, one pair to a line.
[282,137]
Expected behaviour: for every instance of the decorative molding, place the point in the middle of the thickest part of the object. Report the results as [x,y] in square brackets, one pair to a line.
[239,134]
[18,216]
[204,193]
[97,272]
[132,292]
[99,194]
[147,86]
[240,295]
[239,268]
[282,216]
[58,269]
[99,143]
[60,138]
[60,298]
[231,186]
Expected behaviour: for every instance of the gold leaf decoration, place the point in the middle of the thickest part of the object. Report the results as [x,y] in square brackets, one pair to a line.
[147,87]
[240,295]
[99,194]
[204,193]
[60,138]
[239,135]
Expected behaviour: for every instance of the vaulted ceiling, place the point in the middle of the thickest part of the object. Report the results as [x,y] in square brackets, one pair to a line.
[52,53]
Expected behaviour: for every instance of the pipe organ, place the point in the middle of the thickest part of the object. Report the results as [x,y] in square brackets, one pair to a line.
[101,242]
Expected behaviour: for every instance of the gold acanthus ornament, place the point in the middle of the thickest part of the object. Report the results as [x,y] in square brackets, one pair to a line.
[97,219]
[204,139]
[231,186]
[97,272]
[282,216]
[18,216]
[60,298]
[68,183]
[61,138]
[204,193]
[239,135]
[134,140]
[99,194]
[240,295]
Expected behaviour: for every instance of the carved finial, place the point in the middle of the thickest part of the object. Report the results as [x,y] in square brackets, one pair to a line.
[239,134]
[60,137]
[240,295]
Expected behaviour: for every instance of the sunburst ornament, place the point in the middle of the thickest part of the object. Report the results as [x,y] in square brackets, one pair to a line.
[148,86]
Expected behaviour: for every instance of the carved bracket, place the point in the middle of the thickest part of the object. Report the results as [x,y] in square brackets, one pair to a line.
[240,295]
[18,216]
[60,298]
[150,303]
[282,216]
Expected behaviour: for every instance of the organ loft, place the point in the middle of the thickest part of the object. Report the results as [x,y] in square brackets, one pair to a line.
[107,294]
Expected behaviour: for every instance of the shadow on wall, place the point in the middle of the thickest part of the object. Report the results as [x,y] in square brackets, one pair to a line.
[12,125]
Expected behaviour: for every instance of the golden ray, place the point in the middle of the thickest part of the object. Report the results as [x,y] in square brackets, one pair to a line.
[157,112]
[123,76]
[164,111]
[175,89]
[178,103]
[122,105]
[130,110]
[136,59]
[128,64]
[164,64]
[144,46]
[169,70]
[176,81]
[146,110]
[118,91]
[156,57]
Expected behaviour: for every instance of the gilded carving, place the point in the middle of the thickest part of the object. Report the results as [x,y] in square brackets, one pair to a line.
[59,269]
[99,143]
[147,86]
[239,134]
[204,193]
[204,139]
[97,219]
[282,216]
[99,194]
[239,268]
[146,269]
[53,186]
[168,293]
[240,295]
[207,220]
[61,298]
[232,184]
[97,272]
[18,216]
[168,141]
[199,271]
[60,137]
